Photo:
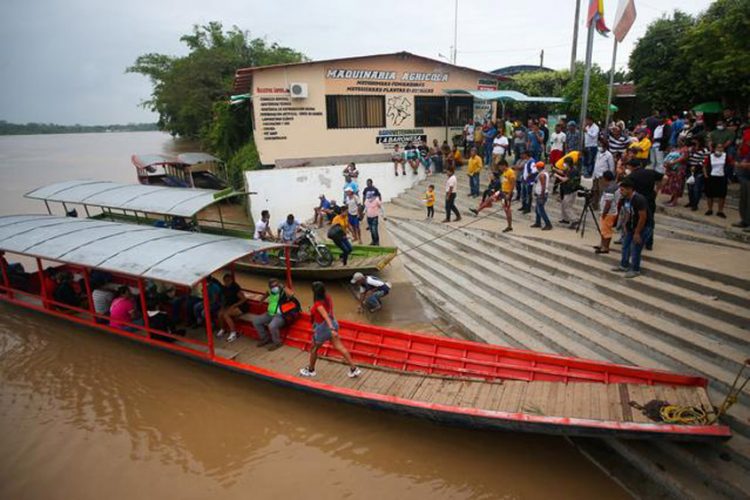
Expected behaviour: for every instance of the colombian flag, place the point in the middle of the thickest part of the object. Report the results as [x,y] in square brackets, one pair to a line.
[596,16]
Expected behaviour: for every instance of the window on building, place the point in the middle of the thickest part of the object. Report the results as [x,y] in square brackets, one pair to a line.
[460,109]
[429,111]
[355,111]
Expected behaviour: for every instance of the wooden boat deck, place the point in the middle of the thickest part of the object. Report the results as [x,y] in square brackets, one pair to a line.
[596,401]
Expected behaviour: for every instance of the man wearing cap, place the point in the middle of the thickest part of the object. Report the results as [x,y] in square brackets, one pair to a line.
[322,211]
[637,225]
[371,291]
[540,193]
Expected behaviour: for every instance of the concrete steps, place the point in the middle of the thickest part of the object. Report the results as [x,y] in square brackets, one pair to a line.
[521,291]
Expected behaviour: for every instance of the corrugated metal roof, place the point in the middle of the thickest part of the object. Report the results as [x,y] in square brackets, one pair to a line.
[179,257]
[145,160]
[504,95]
[195,158]
[144,198]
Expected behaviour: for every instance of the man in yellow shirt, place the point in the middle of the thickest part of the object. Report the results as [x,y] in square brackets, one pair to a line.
[575,155]
[505,193]
[641,148]
[473,171]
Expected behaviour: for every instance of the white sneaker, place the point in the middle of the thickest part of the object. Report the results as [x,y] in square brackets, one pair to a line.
[220,333]
[354,373]
[306,372]
[232,337]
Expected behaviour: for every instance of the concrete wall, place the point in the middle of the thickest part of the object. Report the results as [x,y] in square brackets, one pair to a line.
[296,190]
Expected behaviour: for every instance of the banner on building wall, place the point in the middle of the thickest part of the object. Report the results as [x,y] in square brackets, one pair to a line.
[390,137]
[482,110]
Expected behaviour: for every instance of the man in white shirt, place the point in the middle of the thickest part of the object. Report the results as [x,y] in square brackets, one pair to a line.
[605,162]
[557,144]
[263,232]
[371,291]
[590,143]
[468,137]
[450,195]
[499,148]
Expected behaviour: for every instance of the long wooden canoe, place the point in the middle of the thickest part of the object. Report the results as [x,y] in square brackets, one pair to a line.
[363,259]
[445,380]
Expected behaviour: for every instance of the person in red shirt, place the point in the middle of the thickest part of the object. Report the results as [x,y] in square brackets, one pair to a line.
[325,328]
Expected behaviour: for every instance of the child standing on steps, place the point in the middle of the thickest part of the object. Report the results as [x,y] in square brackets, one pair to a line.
[429,198]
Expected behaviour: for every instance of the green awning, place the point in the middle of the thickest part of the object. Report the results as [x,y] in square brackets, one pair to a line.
[708,107]
[504,95]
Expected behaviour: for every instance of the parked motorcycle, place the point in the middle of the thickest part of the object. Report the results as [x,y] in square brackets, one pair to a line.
[309,249]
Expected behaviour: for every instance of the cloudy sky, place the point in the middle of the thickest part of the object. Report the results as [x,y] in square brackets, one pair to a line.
[64,61]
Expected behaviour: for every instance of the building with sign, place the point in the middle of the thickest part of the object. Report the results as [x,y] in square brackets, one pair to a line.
[356,109]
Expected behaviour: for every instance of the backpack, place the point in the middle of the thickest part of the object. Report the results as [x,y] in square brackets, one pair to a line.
[336,232]
[289,307]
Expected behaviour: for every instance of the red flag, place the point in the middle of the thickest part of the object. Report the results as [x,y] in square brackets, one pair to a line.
[624,19]
[596,16]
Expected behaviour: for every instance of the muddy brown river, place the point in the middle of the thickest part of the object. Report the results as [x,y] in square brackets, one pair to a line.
[85,415]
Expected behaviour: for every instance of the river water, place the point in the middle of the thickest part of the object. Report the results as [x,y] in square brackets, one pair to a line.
[84,415]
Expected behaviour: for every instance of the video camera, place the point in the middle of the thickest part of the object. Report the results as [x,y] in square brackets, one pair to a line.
[588,194]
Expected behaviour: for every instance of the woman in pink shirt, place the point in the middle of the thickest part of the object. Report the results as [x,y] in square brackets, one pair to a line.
[373,208]
[124,310]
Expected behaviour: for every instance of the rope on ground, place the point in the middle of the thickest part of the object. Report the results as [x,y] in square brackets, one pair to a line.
[453,229]
[735,390]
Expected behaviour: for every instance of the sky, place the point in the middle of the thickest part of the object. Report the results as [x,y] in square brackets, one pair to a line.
[63,61]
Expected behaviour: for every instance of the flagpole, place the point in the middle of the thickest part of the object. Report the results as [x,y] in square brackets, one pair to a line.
[575,38]
[611,82]
[586,80]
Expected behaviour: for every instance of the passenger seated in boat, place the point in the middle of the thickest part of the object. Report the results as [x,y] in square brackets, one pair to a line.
[159,320]
[17,276]
[234,303]
[102,298]
[272,321]
[65,292]
[325,328]
[371,291]
[214,298]
[124,310]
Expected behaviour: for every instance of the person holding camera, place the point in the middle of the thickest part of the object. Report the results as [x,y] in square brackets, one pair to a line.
[569,178]
[608,202]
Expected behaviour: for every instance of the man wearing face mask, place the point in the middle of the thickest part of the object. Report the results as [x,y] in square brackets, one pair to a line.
[605,162]
[271,321]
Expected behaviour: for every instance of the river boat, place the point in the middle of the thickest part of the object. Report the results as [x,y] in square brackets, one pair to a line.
[186,170]
[445,380]
[187,209]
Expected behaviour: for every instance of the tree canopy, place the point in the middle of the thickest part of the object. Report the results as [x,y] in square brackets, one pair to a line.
[186,88]
[684,60]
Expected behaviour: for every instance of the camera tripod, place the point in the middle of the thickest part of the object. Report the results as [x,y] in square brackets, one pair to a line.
[587,209]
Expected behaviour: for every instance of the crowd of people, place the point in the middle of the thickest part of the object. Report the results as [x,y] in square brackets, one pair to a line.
[626,168]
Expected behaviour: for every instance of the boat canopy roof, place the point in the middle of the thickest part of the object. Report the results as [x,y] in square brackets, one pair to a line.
[139,197]
[148,160]
[179,257]
[196,158]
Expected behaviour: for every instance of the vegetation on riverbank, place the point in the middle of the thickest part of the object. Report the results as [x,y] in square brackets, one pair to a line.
[191,93]
[7,128]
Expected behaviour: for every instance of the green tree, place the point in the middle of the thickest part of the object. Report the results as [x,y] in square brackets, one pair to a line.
[185,89]
[718,49]
[659,64]
[536,84]
[598,85]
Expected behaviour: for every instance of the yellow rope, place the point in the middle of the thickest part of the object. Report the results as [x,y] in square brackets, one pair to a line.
[685,415]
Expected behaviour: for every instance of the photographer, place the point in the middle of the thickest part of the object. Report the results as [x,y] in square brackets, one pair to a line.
[609,201]
[569,177]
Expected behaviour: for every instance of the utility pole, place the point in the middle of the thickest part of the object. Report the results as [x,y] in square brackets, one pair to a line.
[586,80]
[611,83]
[541,59]
[575,38]
[455,33]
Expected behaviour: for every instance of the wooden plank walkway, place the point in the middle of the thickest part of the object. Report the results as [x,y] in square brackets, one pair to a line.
[576,400]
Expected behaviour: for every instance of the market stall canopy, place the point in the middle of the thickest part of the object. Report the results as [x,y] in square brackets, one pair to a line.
[504,95]
[162,200]
[178,257]
[708,107]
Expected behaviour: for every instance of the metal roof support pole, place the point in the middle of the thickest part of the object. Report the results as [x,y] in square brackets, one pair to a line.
[288,263]
[86,209]
[42,284]
[208,319]
[65,207]
[49,210]
[6,280]
[144,307]
[89,293]
[221,217]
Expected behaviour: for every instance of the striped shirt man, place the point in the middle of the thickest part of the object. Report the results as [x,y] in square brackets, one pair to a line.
[696,159]
[617,144]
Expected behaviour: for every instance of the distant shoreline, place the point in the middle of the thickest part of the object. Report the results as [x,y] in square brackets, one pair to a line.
[52,128]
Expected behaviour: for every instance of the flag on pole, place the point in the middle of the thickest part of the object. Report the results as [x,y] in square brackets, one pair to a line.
[596,16]
[624,19]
